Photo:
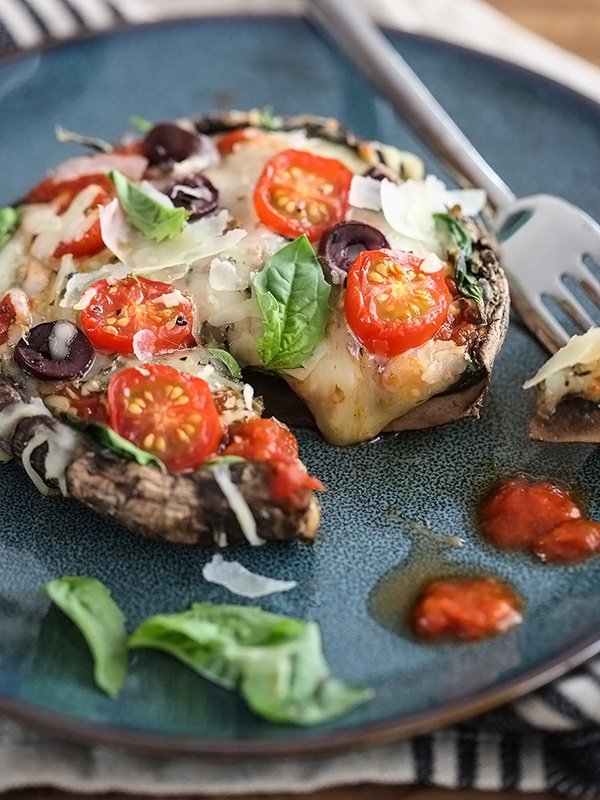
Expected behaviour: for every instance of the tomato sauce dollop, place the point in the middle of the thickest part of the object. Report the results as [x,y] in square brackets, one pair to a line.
[536,515]
[466,609]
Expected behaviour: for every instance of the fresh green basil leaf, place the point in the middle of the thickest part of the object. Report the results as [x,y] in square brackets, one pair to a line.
[64,135]
[266,119]
[88,603]
[459,241]
[228,360]
[153,219]
[214,462]
[456,234]
[275,662]
[293,297]
[9,220]
[143,125]
[101,434]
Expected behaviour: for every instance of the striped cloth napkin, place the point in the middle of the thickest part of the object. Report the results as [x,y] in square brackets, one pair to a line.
[548,741]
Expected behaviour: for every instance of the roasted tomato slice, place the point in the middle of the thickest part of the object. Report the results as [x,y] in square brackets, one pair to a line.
[258,439]
[167,413]
[390,305]
[234,139]
[62,193]
[8,317]
[299,192]
[115,310]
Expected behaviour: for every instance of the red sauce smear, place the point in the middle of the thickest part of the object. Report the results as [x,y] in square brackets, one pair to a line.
[466,609]
[528,514]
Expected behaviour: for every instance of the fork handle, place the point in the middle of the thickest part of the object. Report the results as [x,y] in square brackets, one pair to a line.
[366,46]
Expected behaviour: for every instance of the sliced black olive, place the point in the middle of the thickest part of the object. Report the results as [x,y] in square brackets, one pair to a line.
[380,172]
[167,142]
[55,351]
[195,193]
[341,243]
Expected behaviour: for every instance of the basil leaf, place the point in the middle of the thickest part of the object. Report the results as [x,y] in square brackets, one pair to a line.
[153,219]
[460,241]
[101,434]
[266,119]
[275,662]
[228,360]
[143,125]
[9,220]
[293,297]
[87,602]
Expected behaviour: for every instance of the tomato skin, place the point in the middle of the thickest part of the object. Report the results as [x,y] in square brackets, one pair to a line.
[63,193]
[522,509]
[237,137]
[467,609]
[390,305]
[116,310]
[260,439]
[291,485]
[257,439]
[573,540]
[299,192]
[167,413]
[8,317]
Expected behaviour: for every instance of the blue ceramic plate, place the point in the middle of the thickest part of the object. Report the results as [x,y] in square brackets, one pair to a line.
[540,137]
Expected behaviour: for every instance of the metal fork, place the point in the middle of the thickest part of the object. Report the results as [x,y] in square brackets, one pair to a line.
[542,238]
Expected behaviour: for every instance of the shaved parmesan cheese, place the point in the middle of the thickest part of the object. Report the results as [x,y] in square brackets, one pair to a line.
[223,276]
[248,395]
[365,192]
[237,503]
[54,228]
[38,439]
[431,264]
[132,166]
[471,201]
[200,239]
[60,339]
[583,349]
[11,258]
[160,197]
[409,207]
[144,345]
[239,580]
[171,299]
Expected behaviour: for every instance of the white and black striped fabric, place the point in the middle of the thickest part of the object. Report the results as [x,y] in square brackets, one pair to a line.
[548,741]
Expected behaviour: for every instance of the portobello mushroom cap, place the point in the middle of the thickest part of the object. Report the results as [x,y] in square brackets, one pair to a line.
[190,508]
[466,397]
[185,508]
[575,419]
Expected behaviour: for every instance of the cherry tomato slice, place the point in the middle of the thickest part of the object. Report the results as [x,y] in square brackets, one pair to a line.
[116,310]
[466,609]
[234,139]
[167,413]
[258,439]
[390,305]
[299,192]
[62,193]
[521,510]
[8,317]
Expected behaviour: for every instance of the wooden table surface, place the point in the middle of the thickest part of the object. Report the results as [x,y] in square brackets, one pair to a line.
[575,25]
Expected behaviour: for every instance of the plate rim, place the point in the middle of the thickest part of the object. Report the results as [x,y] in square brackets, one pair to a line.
[363,735]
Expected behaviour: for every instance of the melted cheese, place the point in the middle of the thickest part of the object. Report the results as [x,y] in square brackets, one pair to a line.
[354,396]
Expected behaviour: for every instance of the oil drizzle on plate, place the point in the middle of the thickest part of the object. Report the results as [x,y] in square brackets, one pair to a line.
[392,598]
